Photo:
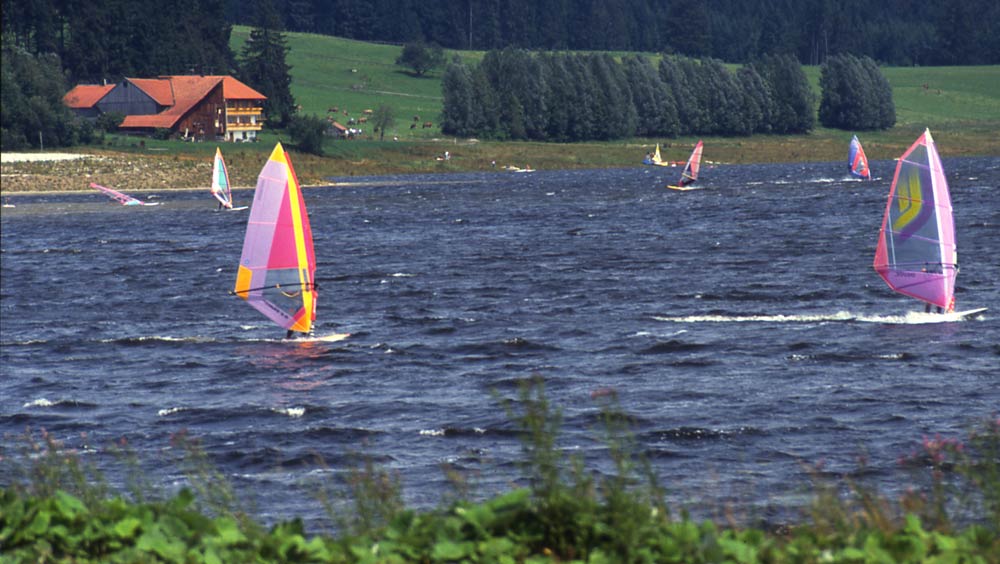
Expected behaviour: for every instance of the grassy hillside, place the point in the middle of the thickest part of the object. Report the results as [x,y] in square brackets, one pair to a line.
[353,75]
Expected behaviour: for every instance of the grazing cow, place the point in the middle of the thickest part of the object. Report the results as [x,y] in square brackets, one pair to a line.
[427,124]
[368,112]
[332,110]
[416,118]
[362,120]
[413,126]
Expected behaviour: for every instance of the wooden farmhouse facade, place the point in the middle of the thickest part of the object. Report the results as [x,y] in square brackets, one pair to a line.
[188,106]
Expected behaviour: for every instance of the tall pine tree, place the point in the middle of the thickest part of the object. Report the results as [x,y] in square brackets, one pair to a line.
[263,65]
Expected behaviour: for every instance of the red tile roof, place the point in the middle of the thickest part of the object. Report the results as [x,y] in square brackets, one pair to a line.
[188,91]
[84,96]
[159,89]
[233,89]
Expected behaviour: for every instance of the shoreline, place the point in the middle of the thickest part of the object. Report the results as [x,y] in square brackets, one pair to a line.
[172,166]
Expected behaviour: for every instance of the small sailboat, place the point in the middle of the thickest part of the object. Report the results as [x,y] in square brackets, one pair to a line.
[690,173]
[123,199]
[916,253]
[654,158]
[857,162]
[277,269]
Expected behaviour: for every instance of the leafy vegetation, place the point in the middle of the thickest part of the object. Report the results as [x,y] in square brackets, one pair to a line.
[512,94]
[420,58]
[307,132]
[33,112]
[55,509]
[856,95]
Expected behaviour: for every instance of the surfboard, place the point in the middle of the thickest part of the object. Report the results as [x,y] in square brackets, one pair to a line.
[921,317]
[685,188]
[967,314]
[238,209]
[331,338]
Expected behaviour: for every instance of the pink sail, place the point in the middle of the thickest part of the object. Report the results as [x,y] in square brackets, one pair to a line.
[916,253]
[278,266]
[690,172]
[123,199]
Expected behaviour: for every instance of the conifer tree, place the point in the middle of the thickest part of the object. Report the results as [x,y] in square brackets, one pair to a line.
[456,91]
[793,98]
[855,94]
[560,97]
[263,65]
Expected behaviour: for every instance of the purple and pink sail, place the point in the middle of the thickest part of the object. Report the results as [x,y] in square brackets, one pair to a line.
[916,253]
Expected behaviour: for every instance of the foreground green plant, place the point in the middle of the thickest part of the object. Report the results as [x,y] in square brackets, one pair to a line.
[565,514]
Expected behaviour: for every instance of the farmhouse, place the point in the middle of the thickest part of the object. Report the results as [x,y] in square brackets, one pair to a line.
[188,106]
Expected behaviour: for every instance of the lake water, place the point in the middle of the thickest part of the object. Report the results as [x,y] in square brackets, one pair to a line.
[741,326]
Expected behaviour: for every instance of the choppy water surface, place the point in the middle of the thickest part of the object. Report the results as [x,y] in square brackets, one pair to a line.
[742,327]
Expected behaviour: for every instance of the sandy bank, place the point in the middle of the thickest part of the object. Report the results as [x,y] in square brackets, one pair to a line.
[41,157]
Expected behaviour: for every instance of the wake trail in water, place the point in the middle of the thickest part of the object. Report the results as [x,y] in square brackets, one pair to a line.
[910,318]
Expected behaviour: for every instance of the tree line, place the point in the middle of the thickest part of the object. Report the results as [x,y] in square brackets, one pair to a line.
[513,94]
[110,39]
[894,32]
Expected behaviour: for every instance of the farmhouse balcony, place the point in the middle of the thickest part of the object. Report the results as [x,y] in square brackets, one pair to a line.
[243,111]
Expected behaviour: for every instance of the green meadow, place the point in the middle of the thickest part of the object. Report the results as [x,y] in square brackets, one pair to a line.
[961,105]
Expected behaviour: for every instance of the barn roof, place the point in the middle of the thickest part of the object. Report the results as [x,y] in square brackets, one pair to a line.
[187,92]
[159,89]
[85,96]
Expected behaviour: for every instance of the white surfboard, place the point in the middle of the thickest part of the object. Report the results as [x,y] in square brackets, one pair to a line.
[685,188]
[951,317]
[331,338]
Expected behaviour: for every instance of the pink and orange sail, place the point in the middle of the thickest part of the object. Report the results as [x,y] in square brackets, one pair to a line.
[857,161]
[916,253]
[278,266]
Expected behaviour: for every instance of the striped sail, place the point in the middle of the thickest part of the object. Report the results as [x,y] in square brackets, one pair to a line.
[857,161]
[916,253]
[220,181]
[277,268]
[690,173]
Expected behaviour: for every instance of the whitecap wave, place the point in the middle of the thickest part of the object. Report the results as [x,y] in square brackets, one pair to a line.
[775,318]
[40,402]
[290,411]
[169,411]
[432,432]
[909,318]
